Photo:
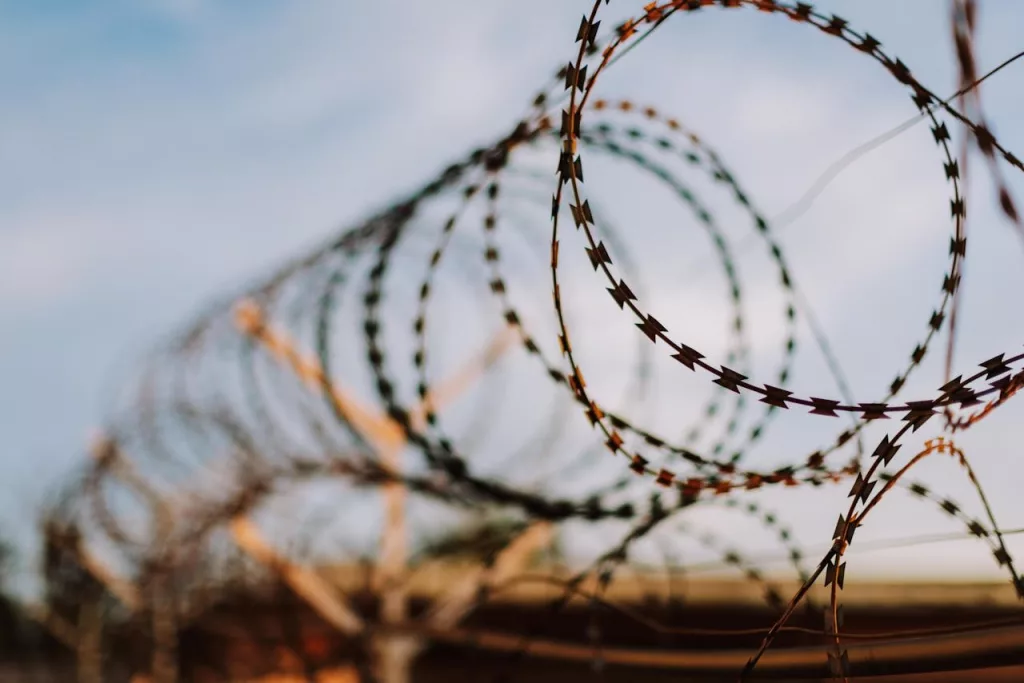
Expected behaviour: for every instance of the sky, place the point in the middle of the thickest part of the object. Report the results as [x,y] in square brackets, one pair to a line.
[155,153]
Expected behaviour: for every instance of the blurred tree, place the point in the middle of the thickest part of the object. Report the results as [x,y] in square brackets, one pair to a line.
[9,621]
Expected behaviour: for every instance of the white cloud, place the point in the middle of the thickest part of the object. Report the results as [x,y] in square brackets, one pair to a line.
[38,267]
[169,175]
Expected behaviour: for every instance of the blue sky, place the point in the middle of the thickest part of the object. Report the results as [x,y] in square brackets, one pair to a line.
[154,153]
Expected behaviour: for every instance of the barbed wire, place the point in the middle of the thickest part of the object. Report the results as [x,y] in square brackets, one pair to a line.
[244,439]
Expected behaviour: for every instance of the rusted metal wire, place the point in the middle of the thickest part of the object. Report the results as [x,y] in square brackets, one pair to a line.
[257,403]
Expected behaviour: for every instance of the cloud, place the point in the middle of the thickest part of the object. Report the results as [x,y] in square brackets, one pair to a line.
[139,177]
[37,268]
